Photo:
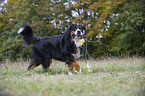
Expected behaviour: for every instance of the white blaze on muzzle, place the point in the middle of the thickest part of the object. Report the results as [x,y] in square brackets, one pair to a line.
[78,33]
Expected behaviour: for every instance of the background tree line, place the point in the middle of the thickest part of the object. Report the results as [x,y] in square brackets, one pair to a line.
[118,24]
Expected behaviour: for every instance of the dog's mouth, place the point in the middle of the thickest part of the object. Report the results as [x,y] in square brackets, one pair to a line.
[78,38]
[77,34]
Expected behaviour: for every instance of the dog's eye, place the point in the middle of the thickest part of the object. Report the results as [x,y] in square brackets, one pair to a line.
[76,26]
[79,26]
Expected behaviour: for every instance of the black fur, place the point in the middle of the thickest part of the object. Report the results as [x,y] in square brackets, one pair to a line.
[59,47]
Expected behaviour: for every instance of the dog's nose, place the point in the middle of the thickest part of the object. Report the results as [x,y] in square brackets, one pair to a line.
[78,33]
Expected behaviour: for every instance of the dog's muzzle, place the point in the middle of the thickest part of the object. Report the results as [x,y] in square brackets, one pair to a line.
[79,34]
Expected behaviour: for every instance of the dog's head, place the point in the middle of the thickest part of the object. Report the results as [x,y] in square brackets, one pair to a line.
[77,33]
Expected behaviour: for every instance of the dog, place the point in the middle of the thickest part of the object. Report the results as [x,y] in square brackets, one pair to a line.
[67,48]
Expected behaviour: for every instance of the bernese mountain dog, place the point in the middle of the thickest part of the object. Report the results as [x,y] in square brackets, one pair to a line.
[67,48]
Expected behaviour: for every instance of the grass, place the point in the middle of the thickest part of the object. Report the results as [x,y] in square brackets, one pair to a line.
[108,77]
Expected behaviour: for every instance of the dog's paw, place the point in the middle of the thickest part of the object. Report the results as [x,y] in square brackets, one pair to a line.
[77,71]
[69,73]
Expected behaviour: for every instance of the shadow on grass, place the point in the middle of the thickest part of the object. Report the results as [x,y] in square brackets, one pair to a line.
[51,71]
[3,93]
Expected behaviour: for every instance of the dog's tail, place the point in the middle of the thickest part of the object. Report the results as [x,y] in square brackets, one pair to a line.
[27,33]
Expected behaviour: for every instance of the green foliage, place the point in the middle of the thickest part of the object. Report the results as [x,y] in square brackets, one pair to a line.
[131,36]
[118,24]
[38,14]
[12,45]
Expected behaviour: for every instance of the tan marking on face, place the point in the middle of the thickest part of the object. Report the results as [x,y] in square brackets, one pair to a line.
[72,34]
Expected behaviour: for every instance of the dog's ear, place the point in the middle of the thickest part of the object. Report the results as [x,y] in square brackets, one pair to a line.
[67,34]
[71,27]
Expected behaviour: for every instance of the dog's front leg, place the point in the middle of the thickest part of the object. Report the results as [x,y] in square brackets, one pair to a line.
[70,69]
[77,67]
[74,65]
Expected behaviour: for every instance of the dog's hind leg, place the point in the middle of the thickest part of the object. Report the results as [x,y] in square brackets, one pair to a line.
[32,65]
[50,61]
[46,64]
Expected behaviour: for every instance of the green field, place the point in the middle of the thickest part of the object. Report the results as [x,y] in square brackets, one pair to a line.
[105,77]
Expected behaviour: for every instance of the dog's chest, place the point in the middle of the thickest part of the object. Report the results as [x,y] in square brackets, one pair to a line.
[78,43]
[78,53]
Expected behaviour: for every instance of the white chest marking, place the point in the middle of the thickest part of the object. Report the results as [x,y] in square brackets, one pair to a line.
[78,43]
[77,55]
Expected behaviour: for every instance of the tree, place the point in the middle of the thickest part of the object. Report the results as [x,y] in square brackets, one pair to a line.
[43,16]
[97,15]
[131,23]
[117,24]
